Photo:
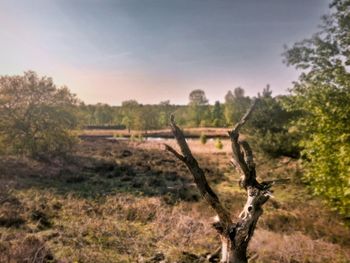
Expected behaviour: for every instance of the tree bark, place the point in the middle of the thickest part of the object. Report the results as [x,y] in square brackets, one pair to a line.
[234,235]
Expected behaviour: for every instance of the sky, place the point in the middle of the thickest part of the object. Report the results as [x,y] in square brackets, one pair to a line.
[110,51]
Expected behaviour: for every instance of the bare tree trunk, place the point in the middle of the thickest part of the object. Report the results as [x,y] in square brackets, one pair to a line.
[235,235]
[231,253]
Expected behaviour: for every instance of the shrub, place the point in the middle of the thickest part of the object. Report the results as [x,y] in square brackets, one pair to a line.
[270,127]
[277,144]
[203,138]
[36,117]
[218,144]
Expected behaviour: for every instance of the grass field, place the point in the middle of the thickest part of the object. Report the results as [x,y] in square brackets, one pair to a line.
[190,132]
[123,201]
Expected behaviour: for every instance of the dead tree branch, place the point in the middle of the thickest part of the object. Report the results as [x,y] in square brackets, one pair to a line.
[199,177]
[235,236]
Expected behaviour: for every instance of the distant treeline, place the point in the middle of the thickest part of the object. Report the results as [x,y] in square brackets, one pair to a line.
[269,127]
[104,127]
[197,113]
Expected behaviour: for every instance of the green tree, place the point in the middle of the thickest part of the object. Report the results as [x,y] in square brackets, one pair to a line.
[197,97]
[145,118]
[270,126]
[36,117]
[126,121]
[129,111]
[235,105]
[323,94]
[164,113]
[217,115]
[103,114]
[198,108]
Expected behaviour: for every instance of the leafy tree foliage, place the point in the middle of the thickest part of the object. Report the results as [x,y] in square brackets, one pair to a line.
[129,110]
[145,118]
[270,126]
[236,105]
[198,108]
[197,97]
[323,94]
[218,115]
[164,113]
[36,117]
[103,114]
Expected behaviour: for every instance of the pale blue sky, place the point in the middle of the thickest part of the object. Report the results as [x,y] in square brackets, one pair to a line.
[153,50]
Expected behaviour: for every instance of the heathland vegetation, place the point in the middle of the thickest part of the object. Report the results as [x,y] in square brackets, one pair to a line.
[71,198]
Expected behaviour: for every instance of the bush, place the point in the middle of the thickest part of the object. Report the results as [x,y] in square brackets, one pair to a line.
[218,144]
[277,144]
[203,138]
[36,117]
[270,127]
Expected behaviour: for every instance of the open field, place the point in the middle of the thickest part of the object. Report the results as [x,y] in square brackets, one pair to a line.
[164,133]
[121,201]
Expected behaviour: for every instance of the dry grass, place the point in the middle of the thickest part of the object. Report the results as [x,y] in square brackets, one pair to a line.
[296,247]
[126,201]
[164,132]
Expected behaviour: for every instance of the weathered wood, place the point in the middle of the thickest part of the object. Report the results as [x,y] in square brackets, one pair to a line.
[198,174]
[235,236]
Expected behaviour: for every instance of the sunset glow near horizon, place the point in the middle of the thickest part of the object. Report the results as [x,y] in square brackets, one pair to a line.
[155,50]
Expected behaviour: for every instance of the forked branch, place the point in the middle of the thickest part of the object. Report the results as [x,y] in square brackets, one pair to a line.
[198,174]
[242,153]
[234,236]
